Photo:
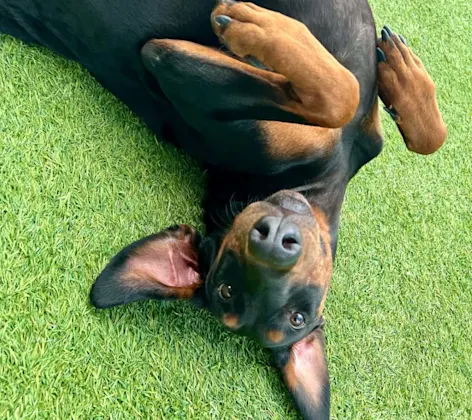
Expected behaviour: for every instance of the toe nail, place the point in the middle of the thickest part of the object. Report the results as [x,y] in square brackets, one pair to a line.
[385,35]
[227,2]
[403,39]
[381,56]
[391,112]
[389,31]
[222,20]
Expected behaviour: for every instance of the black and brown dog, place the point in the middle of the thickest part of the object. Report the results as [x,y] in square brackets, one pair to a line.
[279,101]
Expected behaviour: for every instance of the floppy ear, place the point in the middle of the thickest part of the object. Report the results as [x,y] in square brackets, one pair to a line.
[160,266]
[305,371]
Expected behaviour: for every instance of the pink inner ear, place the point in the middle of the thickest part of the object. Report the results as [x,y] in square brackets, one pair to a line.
[307,367]
[306,353]
[170,263]
[183,267]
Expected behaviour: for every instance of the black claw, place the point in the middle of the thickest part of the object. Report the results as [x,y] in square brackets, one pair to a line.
[381,57]
[222,20]
[388,30]
[392,113]
[385,35]
[402,38]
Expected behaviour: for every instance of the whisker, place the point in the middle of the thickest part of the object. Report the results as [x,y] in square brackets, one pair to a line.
[216,222]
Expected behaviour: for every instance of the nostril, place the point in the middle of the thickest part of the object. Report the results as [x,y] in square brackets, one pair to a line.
[289,241]
[276,242]
[263,230]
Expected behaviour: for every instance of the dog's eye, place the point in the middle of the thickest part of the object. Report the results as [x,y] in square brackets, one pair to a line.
[225,291]
[297,320]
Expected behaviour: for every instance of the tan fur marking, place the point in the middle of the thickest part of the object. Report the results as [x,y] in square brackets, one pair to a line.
[275,336]
[283,141]
[326,266]
[230,320]
[314,267]
[286,141]
[372,125]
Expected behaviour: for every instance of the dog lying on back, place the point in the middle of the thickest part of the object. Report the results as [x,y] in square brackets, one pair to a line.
[279,101]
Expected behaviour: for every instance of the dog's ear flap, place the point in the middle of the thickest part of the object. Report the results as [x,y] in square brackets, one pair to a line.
[160,266]
[305,371]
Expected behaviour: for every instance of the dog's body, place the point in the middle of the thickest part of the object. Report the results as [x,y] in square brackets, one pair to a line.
[106,37]
[306,120]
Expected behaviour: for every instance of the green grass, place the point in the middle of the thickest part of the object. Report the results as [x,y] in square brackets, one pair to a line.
[81,177]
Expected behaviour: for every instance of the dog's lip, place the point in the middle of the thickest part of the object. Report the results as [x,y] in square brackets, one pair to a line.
[290,200]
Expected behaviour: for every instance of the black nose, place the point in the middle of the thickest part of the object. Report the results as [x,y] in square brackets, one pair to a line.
[275,242]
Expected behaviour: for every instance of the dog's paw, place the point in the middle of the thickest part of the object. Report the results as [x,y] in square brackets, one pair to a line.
[272,41]
[409,94]
[401,73]
[254,33]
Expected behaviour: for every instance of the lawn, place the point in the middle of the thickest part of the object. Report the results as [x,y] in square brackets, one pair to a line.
[81,177]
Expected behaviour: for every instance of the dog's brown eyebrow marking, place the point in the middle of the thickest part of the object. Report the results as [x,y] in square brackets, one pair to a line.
[230,320]
[275,336]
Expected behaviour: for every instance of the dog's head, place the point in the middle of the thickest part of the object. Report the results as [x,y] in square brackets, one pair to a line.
[267,278]
[271,272]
